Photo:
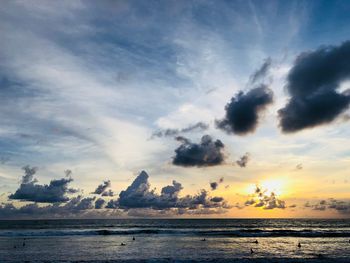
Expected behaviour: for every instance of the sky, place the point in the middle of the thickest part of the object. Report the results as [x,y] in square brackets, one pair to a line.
[174,109]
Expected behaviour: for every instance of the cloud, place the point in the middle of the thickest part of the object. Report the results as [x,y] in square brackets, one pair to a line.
[217,199]
[28,174]
[313,82]
[214,185]
[112,204]
[99,203]
[242,112]
[299,166]
[85,203]
[262,72]
[341,206]
[205,153]
[101,189]
[76,207]
[266,201]
[243,161]
[140,195]
[55,191]
[172,191]
[137,197]
[199,126]
[271,202]
[108,193]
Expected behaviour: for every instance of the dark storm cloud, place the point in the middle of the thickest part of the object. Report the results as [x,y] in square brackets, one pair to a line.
[205,153]
[262,72]
[312,83]
[199,126]
[140,195]
[243,161]
[266,201]
[102,187]
[29,190]
[242,112]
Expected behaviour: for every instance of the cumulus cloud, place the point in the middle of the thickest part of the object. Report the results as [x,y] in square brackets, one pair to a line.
[172,191]
[243,161]
[205,153]
[242,112]
[313,84]
[55,191]
[140,195]
[265,200]
[101,189]
[199,126]
[137,197]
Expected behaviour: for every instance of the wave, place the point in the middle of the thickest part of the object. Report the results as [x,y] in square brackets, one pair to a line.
[186,232]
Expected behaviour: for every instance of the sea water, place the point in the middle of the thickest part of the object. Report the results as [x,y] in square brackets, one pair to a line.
[175,240]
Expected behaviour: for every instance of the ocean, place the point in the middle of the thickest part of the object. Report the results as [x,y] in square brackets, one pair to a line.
[175,240]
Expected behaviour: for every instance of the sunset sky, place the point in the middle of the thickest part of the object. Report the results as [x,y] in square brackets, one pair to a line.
[244,104]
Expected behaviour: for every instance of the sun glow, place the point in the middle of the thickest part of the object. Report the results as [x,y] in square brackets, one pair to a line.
[268,186]
[277,186]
